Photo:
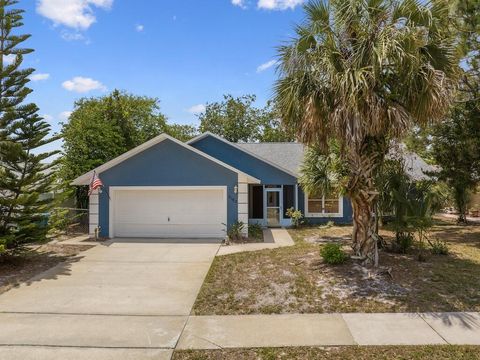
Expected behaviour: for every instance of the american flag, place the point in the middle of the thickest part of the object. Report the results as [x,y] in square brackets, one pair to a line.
[95,183]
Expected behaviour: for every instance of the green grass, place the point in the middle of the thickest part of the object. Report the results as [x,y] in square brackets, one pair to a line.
[447,352]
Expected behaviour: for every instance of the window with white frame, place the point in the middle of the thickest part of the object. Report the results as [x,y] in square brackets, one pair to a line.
[320,205]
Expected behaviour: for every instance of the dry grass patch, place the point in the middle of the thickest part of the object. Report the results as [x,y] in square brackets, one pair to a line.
[19,268]
[446,352]
[295,280]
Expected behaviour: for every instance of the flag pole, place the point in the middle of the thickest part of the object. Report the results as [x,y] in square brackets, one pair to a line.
[106,192]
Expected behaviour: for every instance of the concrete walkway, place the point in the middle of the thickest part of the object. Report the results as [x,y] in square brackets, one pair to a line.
[272,239]
[215,332]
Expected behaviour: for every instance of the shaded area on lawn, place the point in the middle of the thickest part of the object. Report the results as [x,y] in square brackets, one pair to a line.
[28,266]
[295,279]
[446,352]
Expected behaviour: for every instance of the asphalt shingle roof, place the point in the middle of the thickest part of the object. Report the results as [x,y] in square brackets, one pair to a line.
[289,156]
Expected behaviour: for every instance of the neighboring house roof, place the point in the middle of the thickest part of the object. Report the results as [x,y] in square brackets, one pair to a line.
[415,166]
[86,178]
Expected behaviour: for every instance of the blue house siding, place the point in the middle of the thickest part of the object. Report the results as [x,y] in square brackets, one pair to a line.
[167,164]
[265,172]
[347,211]
[243,161]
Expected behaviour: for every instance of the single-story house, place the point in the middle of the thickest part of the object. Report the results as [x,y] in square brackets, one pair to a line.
[168,188]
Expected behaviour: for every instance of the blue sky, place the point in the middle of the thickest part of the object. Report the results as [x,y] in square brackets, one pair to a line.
[186,53]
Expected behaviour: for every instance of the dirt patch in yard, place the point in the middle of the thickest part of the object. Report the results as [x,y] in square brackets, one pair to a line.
[295,279]
[444,352]
[19,268]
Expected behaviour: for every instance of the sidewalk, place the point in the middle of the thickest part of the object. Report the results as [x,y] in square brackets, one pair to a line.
[215,332]
[272,239]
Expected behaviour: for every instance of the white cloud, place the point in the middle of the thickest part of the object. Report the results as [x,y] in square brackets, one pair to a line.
[72,36]
[196,109]
[278,4]
[139,27]
[240,3]
[9,59]
[47,117]
[82,85]
[77,14]
[63,116]
[266,66]
[39,77]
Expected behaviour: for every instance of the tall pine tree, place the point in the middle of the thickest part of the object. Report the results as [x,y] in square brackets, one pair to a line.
[25,173]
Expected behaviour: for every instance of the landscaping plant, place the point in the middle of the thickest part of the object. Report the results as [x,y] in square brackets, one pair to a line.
[25,170]
[333,254]
[236,230]
[439,247]
[362,73]
[296,216]
[255,231]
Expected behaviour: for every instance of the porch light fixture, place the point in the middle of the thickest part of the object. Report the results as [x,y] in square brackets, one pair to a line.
[235,189]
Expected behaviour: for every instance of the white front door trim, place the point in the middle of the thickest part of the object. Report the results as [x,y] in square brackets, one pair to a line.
[112,190]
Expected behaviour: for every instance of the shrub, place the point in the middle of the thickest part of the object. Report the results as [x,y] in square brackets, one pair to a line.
[235,231]
[439,247]
[59,221]
[421,253]
[403,242]
[333,254]
[296,216]
[255,231]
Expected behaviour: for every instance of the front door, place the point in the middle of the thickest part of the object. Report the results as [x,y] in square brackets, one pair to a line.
[273,207]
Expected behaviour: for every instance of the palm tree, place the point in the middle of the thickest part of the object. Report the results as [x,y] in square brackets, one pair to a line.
[361,73]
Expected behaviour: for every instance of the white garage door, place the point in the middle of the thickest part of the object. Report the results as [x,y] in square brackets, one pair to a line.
[169,212]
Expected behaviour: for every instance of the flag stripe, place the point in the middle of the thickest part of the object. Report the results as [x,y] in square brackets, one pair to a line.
[95,183]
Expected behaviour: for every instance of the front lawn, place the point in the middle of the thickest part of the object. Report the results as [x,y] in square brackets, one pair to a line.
[295,279]
[446,352]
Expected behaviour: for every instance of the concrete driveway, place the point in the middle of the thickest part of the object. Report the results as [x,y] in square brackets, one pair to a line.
[125,299]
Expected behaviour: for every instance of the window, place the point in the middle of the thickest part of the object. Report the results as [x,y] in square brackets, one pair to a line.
[319,205]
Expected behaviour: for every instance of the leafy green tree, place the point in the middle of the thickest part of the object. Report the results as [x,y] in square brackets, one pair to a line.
[181,132]
[363,73]
[233,118]
[237,119]
[454,143]
[100,129]
[456,149]
[270,126]
[25,173]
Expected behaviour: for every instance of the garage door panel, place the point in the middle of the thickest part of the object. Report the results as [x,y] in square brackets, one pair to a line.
[165,231]
[169,213]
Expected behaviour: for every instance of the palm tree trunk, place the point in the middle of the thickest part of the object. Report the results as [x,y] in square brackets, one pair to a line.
[363,229]
[363,195]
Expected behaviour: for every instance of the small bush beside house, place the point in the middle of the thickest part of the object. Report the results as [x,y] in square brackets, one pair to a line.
[333,254]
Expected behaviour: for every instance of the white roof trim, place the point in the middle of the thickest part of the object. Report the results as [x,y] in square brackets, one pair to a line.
[86,178]
[208,133]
